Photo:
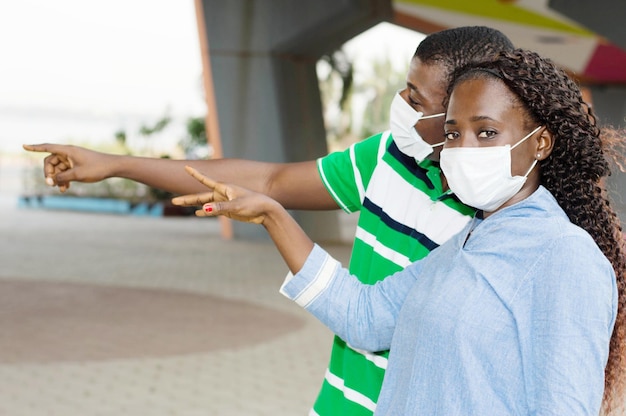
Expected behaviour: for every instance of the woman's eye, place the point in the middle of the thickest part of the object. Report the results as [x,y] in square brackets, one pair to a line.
[485,134]
[450,136]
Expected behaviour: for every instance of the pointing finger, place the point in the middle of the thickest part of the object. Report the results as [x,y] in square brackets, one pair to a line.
[193,199]
[208,182]
[44,147]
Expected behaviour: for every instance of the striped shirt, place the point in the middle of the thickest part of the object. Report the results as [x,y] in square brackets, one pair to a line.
[404,214]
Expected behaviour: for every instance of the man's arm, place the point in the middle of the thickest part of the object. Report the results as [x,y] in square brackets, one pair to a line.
[293,185]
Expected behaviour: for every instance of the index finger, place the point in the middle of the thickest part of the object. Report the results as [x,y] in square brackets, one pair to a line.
[43,147]
[193,199]
[206,181]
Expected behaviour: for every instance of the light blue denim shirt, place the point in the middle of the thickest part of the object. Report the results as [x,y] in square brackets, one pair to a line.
[512,316]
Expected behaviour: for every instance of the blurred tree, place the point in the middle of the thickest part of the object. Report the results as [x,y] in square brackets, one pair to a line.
[146,147]
[120,137]
[341,86]
[194,144]
[336,79]
[381,88]
[162,123]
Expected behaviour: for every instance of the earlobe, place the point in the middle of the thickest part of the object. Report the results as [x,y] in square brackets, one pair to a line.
[545,143]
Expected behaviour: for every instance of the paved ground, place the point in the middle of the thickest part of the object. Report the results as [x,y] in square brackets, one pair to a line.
[119,315]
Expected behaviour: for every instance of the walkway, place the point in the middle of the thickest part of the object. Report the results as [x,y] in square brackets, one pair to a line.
[119,315]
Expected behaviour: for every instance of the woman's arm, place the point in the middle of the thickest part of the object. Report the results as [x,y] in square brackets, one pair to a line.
[244,205]
[363,315]
[572,308]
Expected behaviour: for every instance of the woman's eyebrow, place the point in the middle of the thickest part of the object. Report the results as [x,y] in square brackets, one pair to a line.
[453,122]
[481,118]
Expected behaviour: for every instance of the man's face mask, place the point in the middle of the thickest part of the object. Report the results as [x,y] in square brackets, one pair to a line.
[481,176]
[402,120]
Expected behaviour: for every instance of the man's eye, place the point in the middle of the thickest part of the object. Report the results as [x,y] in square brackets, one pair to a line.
[413,102]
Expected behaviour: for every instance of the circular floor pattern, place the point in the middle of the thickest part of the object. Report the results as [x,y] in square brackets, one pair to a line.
[45,322]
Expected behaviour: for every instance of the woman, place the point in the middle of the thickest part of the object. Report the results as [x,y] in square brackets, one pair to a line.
[523,312]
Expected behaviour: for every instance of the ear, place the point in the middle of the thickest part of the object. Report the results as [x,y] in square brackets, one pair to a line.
[545,143]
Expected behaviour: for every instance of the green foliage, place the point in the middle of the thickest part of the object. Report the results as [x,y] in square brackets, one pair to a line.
[341,87]
[196,135]
[120,137]
[160,125]
[336,86]
[341,66]
[381,88]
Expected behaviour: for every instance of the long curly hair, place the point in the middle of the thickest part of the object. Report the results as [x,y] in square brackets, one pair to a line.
[574,172]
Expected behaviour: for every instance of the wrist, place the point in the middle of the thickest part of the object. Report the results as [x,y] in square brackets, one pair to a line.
[275,213]
[120,166]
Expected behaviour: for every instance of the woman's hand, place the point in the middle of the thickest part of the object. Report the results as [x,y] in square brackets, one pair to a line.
[243,205]
[229,200]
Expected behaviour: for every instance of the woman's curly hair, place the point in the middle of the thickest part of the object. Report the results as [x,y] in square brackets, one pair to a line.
[574,172]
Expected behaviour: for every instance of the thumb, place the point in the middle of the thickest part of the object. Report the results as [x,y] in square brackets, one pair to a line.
[66,177]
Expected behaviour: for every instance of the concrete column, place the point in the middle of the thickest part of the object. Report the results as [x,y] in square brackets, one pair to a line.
[605,17]
[263,56]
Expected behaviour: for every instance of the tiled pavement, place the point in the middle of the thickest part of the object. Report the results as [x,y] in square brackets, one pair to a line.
[143,316]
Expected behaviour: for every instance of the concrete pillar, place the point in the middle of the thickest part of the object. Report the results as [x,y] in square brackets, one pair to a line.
[263,56]
[605,17]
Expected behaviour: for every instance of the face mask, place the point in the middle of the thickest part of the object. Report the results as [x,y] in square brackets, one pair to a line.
[402,119]
[481,176]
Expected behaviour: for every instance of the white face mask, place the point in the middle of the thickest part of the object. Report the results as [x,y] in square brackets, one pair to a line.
[481,176]
[402,120]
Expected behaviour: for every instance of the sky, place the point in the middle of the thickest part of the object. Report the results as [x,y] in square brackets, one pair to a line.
[77,71]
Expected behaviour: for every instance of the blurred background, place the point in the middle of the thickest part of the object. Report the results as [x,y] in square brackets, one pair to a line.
[141,77]
[127,77]
[151,313]
[82,73]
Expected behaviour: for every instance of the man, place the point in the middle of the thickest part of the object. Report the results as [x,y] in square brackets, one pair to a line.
[379,177]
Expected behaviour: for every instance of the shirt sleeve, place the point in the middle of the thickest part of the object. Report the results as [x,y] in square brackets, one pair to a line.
[573,308]
[346,174]
[363,315]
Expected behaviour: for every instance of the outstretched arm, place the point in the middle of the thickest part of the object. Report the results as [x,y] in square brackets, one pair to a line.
[294,185]
[363,315]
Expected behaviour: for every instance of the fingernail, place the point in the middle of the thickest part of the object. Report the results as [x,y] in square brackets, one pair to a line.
[49,181]
[208,208]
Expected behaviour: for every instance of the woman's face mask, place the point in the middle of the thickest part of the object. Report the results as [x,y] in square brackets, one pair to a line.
[481,176]
[402,120]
